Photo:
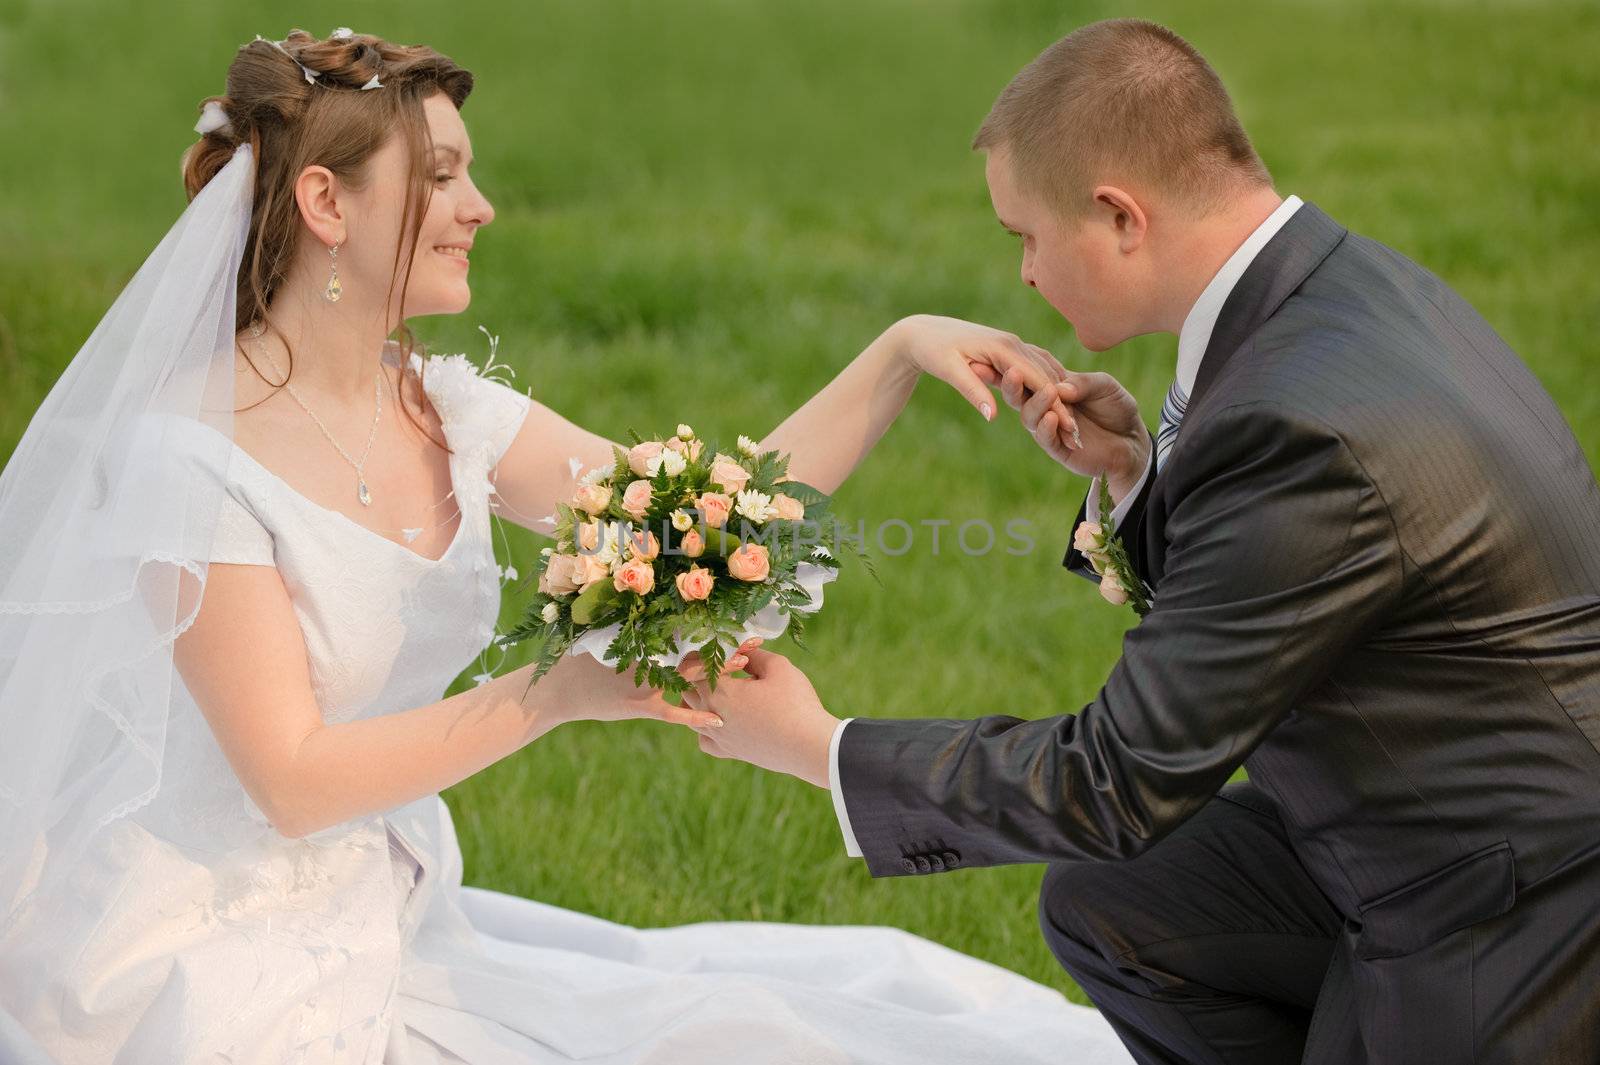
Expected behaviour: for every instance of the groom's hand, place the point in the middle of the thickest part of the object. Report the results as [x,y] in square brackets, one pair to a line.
[773,719]
[1109,438]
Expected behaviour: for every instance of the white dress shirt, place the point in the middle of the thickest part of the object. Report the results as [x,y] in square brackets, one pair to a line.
[1193,338]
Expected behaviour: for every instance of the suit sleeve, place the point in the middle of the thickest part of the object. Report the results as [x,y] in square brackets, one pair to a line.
[1130,528]
[1281,555]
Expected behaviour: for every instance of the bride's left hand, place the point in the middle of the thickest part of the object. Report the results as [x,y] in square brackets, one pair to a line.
[578,688]
[972,358]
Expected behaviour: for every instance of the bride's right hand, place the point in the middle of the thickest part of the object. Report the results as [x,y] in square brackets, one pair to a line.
[579,688]
[972,358]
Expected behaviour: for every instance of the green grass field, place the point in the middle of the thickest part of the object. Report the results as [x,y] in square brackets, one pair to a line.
[695,191]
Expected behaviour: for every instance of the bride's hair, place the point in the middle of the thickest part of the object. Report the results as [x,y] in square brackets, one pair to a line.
[291,121]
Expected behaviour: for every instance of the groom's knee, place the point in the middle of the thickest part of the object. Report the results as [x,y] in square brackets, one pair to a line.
[1077,905]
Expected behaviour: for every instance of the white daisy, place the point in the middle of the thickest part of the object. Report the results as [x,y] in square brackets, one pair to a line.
[757,506]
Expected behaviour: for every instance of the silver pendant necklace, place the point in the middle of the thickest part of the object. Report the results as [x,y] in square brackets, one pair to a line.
[363,493]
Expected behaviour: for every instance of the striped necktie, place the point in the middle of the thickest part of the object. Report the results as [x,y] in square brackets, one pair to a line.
[1171,417]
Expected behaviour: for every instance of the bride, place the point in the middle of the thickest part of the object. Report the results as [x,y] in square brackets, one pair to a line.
[248,546]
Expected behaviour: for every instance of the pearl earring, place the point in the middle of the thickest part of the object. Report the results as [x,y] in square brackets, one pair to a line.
[334,289]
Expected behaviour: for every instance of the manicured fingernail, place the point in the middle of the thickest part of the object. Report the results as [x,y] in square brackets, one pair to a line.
[987,411]
[714,722]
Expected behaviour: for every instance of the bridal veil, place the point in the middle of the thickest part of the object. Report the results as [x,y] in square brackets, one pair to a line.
[105,529]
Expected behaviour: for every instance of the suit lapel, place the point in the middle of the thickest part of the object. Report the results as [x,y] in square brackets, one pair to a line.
[1282,265]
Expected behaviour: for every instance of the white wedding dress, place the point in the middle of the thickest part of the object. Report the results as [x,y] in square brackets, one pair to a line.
[201,935]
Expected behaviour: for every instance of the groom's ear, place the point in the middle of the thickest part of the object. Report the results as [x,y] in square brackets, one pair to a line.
[1117,209]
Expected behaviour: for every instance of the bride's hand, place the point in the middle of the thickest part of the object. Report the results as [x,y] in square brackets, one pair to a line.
[972,358]
[582,689]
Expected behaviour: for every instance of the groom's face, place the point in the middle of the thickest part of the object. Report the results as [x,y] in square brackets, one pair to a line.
[1076,265]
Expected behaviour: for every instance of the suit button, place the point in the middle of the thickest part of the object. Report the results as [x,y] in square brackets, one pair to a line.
[908,865]
[951,859]
[923,865]
[937,863]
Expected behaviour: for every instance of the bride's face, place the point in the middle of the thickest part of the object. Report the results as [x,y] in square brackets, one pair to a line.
[456,209]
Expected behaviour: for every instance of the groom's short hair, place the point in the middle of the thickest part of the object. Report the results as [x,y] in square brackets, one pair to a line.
[1116,100]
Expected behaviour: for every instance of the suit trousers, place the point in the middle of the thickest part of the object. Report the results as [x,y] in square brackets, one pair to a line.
[1209,947]
[1215,946]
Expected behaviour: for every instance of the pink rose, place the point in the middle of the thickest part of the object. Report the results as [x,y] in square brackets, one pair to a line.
[714,508]
[592,498]
[680,446]
[696,584]
[643,545]
[1088,536]
[695,447]
[635,576]
[788,508]
[560,576]
[592,568]
[1112,591]
[639,456]
[589,536]
[749,563]
[636,499]
[693,544]
[729,474]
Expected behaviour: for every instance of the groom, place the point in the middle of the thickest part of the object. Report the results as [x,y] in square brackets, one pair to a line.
[1374,547]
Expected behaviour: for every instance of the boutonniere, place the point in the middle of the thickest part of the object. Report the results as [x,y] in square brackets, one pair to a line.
[1119,583]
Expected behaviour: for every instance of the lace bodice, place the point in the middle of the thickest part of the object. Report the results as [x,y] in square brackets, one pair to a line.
[385,627]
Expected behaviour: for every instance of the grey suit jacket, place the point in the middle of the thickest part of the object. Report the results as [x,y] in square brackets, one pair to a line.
[1375,550]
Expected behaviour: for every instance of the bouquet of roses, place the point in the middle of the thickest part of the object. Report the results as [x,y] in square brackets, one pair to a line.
[676,548]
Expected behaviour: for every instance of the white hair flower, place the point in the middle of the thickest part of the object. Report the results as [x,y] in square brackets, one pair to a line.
[684,432]
[213,119]
[749,446]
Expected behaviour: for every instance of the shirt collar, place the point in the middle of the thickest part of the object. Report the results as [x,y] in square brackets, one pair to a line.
[1202,318]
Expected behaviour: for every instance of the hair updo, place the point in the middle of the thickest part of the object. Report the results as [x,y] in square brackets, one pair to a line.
[291,122]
